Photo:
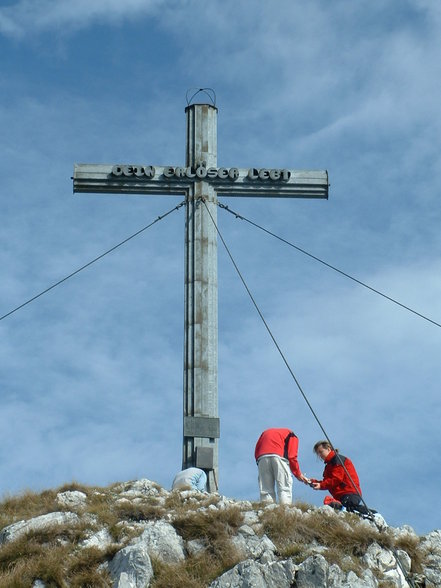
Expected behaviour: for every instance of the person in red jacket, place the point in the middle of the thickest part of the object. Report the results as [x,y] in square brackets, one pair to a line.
[276,457]
[339,477]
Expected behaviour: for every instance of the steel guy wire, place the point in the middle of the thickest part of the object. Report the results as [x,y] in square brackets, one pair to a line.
[267,326]
[93,261]
[346,275]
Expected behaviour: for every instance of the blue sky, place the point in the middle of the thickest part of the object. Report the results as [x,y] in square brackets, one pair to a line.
[91,373]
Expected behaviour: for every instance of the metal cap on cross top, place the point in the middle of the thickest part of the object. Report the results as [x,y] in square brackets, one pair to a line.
[200,177]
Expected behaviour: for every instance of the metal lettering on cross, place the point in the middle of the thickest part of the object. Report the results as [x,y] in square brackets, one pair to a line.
[199,179]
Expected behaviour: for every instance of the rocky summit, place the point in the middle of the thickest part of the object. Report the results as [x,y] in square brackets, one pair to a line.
[137,535]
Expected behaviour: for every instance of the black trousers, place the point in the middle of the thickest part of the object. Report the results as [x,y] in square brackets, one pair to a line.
[352,503]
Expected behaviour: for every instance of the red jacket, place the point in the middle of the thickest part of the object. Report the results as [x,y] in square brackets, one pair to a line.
[336,480]
[281,442]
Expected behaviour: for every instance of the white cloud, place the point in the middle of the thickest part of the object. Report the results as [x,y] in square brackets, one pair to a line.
[36,16]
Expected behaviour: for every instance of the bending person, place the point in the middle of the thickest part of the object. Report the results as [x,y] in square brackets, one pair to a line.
[276,457]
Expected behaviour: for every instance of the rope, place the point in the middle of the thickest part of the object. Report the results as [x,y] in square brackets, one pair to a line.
[91,262]
[239,216]
[298,384]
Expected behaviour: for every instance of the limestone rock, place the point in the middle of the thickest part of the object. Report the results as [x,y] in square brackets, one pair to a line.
[251,518]
[162,541]
[140,488]
[432,542]
[383,560]
[101,540]
[368,580]
[312,573]
[336,577]
[246,531]
[72,499]
[131,567]
[252,546]
[251,574]
[430,550]
[195,547]
[16,530]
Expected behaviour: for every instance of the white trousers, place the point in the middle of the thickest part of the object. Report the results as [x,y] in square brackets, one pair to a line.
[274,473]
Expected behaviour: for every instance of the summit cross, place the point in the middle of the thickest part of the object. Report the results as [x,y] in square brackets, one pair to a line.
[200,179]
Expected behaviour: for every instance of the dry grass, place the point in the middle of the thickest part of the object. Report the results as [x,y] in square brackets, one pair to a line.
[293,533]
[83,568]
[209,524]
[294,550]
[386,584]
[36,543]
[100,504]
[214,528]
[128,511]
[59,534]
[303,506]
[181,505]
[347,563]
[26,506]
[178,575]
[284,526]
[74,486]
[54,564]
[33,562]
[196,571]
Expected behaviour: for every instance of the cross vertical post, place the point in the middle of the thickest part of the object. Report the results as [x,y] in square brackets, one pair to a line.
[201,182]
[201,423]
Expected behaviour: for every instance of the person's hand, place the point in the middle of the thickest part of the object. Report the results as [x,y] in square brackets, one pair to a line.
[303,479]
[316,485]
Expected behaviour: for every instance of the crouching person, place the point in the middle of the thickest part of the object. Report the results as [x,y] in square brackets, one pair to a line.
[339,478]
[190,479]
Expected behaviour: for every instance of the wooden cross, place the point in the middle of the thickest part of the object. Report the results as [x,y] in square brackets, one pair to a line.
[200,178]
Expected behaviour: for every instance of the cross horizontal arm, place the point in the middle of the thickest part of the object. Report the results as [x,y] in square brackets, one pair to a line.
[148,179]
[90,177]
[266,183]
